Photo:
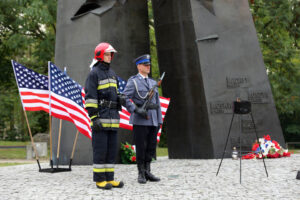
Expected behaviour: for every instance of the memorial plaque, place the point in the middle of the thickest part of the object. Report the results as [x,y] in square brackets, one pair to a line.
[258,97]
[236,82]
[220,108]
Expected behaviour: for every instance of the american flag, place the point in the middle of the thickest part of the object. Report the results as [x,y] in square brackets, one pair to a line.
[66,100]
[125,115]
[33,88]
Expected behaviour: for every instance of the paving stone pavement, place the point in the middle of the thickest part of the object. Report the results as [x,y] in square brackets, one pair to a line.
[180,179]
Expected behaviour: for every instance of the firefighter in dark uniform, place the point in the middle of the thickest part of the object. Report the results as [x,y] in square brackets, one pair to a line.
[102,104]
[144,130]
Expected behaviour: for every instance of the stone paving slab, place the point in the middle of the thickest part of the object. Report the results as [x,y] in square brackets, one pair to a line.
[180,179]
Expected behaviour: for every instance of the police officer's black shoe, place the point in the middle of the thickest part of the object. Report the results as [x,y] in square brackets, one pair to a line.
[141,177]
[148,175]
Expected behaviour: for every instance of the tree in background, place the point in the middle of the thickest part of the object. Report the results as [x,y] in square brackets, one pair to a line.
[154,67]
[27,35]
[278,28]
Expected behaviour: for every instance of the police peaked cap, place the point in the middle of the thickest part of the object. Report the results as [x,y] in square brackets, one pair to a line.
[144,59]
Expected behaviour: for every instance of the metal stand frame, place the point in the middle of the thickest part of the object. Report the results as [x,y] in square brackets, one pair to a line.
[57,169]
[240,151]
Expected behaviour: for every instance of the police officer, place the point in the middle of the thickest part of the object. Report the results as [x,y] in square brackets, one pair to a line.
[145,122]
[102,106]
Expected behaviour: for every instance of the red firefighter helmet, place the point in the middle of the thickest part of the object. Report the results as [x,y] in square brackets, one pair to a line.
[103,48]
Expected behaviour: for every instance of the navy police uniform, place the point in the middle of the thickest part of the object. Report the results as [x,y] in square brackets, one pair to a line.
[145,130]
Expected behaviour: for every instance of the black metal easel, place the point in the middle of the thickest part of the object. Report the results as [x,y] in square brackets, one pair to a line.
[241,108]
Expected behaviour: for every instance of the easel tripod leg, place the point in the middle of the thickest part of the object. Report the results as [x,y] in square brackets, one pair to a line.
[258,142]
[225,144]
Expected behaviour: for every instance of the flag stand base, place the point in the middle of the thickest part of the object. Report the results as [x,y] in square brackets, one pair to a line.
[54,170]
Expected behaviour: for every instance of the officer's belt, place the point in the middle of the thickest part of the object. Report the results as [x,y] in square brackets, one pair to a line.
[151,106]
[108,104]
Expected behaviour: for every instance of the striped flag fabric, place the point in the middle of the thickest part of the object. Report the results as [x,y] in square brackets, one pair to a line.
[66,100]
[33,88]
[125,115]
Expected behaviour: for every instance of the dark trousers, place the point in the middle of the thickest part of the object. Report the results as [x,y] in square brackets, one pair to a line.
[145,141]
[104,154]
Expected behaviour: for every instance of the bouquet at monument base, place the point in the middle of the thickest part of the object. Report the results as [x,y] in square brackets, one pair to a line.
[267,148]
[128,154]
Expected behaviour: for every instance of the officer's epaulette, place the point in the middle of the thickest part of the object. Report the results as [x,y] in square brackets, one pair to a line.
[132,77]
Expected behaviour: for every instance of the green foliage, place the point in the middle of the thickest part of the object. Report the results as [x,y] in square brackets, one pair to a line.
[128,155]
[154,64]
[278,29]
[162,152]
[18,153]
[10,164]
[27,35]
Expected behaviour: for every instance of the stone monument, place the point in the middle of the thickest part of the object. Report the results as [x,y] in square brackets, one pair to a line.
[211,55]
[81,26]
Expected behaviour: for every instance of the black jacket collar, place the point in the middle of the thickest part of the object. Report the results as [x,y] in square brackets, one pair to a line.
[103,65]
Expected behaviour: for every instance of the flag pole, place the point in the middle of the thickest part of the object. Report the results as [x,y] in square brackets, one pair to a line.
[50,136]
[58,143]
[74,145]
[32,142]
[50,124]
[31,138]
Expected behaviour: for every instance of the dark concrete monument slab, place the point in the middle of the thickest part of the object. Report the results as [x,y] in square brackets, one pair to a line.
[211,55]
[81,25]
[209,51]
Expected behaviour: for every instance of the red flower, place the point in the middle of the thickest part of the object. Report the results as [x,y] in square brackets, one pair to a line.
[275,155]
[249,156]
[133,158]
[255,146]
[126,146]
[267,137]
[288,154]
[276,144]
[132,147]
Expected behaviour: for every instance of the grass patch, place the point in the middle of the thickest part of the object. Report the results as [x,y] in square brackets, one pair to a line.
[294,151]
[10,164]
[12,153]
[160,151]
[13,143]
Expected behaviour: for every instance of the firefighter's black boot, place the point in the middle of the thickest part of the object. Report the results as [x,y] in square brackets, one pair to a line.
[141,177]
[148,174]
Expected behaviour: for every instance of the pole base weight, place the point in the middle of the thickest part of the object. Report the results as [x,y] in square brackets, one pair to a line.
[55,170]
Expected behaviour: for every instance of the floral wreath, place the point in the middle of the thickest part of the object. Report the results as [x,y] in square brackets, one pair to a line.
[267,148]
[128,155]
